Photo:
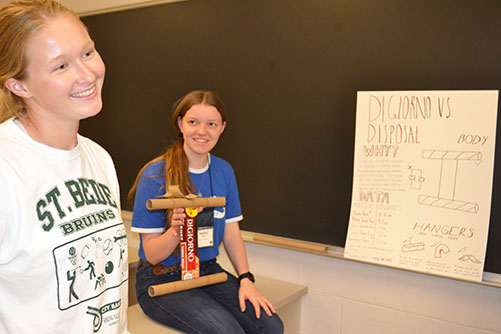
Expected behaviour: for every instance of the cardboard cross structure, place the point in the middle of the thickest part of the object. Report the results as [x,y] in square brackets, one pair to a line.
[190,266]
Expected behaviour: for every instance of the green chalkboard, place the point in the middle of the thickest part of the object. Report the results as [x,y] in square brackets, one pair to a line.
[289,72]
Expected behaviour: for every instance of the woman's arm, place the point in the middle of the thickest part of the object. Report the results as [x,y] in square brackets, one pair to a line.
[159,246]
[235,248]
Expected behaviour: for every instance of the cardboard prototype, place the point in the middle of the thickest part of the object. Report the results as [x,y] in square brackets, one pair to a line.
[190,265]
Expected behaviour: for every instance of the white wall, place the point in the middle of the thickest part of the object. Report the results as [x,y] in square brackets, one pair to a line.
[346,297]
[355,298]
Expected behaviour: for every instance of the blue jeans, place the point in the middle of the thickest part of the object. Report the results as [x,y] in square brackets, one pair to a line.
[212,309]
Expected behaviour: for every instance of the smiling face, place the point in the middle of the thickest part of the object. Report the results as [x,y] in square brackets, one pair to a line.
[64,75]
[201,127]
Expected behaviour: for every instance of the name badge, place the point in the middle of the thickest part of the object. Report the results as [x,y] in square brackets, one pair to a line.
[205,221]
[205,237]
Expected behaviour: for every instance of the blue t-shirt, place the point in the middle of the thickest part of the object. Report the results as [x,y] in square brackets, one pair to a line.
[217,179]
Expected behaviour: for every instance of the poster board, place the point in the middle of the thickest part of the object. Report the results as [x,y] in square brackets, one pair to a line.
[422,180]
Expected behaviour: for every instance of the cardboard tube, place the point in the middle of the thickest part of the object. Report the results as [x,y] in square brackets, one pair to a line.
[300,245]
[163,289]
[171,203]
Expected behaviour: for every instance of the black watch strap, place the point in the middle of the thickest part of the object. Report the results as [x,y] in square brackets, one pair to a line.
[248,275]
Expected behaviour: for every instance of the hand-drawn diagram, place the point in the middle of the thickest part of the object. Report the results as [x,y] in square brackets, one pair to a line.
[440,249]
[467,256]
[410,246]
[446,195]
[416,177]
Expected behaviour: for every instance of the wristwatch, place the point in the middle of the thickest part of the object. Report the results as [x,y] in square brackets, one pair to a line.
[248,275]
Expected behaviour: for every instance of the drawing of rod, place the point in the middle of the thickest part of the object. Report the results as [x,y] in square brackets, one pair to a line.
[446,195]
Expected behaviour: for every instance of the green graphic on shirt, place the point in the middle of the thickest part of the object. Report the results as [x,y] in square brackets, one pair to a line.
[83,192]
[90,265]
[98,313]
[87,221]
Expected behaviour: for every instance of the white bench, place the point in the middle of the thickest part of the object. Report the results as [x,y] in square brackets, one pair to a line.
[285,297]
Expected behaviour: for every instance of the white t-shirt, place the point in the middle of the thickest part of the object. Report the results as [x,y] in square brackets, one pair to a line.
[63,247]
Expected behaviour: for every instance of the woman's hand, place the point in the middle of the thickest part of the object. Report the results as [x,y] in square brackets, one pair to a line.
[249,292]
[236,251]
[159,246]
[177,219]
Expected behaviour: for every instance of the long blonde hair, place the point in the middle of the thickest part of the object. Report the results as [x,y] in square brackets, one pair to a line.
[19,20]
[176,161]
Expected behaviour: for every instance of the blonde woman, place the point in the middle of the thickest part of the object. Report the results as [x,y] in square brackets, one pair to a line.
[63,251]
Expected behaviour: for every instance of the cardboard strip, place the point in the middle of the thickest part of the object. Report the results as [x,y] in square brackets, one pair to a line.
[162,289]
[171,203]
